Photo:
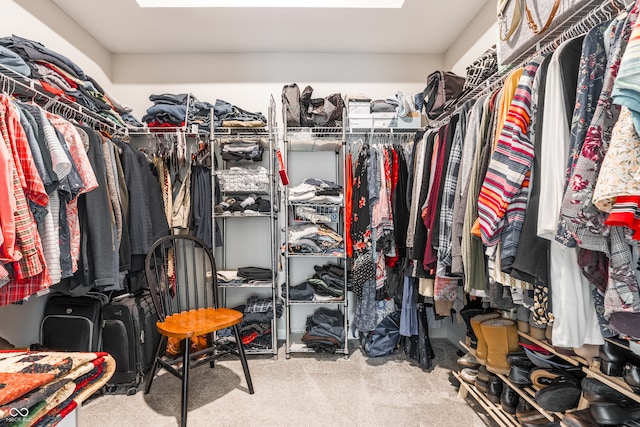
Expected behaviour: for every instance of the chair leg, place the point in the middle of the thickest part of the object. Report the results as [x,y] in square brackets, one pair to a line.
[210,339]
[162,344]
[243,359]
[186,362]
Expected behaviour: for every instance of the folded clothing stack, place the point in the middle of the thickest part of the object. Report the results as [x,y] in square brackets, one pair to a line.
[244,180]
[58,76]
[327,284]
[325,330]
[247,205]
[168,110]
[314,190]
[314,238]
[255,273]
[237,150]
[228,115]
[255,328]
[245,275]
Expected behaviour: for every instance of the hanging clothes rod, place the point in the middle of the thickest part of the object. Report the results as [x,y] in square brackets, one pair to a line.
[13,83]
[588,15]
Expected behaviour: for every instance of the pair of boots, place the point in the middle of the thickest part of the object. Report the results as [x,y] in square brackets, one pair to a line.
[496,337]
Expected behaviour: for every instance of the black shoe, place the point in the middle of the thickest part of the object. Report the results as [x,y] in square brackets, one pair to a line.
[611,414]
[562,394]
[494,388]
[509,399]
[519,373]
[613,358]
[631,375]
[596,391]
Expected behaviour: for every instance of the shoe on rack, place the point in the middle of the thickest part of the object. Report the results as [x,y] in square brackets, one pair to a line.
[482,386]
[483,374]
[519,373]
[596,391]
[494,388]
[469,375]
[509,399]
[582,418]
[468,360]
[535,330]
[501,336]
[562,394]
[614,357]
[612,414]
[481,347]
[522,319]
[631,375]
[525,413]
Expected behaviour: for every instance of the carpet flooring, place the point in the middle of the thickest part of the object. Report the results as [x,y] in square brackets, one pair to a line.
[306,390]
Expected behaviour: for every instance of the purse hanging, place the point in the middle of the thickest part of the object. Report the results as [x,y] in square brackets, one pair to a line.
[516,19]
[532,23]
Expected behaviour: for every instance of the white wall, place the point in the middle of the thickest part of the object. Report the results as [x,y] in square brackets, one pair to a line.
[480,34]
[248,80]
[65,37]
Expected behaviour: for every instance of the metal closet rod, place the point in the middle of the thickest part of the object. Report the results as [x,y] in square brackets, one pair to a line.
[69,110]
[580,22]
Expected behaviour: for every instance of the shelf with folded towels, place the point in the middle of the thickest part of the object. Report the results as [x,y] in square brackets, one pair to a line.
[502,418]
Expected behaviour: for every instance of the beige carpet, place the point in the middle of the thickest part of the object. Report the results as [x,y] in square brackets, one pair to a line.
[306,390]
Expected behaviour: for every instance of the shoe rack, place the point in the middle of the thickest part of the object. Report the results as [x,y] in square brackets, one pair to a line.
[495,411]
[502,418]
[615,383]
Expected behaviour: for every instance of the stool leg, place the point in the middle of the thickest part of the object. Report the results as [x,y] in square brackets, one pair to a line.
[243,359]
[162,344]
[185,382]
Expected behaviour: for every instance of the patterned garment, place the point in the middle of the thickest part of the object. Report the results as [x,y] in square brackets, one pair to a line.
[619,173]
[363,269]
[593,65]
[581,223]
[449,194]
[23,371]
[30,272]
[510,164]
[90,183]
[626,90]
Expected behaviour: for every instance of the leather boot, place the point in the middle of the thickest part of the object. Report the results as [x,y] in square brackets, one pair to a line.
[481,348]
[501,336]
[494,388]
[470,338]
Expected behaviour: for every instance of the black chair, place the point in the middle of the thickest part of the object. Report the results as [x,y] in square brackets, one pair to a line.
[181,273]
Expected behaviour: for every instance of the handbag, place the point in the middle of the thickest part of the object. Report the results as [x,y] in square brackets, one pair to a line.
[516,19]
[533,26]
[442,91]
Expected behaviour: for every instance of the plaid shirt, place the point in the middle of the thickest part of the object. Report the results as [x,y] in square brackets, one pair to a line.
[449,195]
[30,272]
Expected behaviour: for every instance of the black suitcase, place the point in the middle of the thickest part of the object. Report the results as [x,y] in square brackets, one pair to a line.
[72,323]
[131,337]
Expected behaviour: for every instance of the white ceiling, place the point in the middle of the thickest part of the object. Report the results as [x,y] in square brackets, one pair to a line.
[421,26]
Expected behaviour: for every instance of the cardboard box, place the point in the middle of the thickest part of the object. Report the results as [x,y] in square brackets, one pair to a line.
[414,120]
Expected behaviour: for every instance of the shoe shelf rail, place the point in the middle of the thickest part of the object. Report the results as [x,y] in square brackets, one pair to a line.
[495,411]
[574,360]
